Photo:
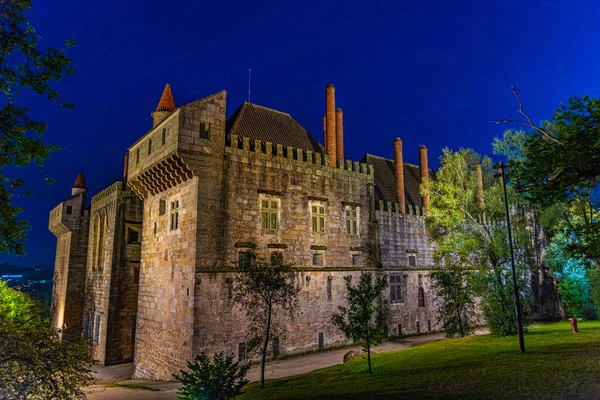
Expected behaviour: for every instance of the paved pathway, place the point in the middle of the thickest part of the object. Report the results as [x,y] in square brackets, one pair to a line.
[276,369]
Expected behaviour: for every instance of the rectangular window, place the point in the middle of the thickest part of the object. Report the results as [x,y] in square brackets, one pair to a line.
[429,325]
[204,130]
[355,259]
[149,146]
[97,329]
[396,288]
[162,207]
[137,155]
[242,352]
[136,275]
[269,214]
[132,236]
[164,135]
[244,259]
[276,257]
[351,220]
[317,260]
[69,209]
[418,327]
[276,346]
[412,261]
[420,280]
[317,214]
[174,225]
[399,329]
[321,340]
[329,279]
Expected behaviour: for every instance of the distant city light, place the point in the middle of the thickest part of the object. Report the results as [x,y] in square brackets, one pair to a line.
[12,276]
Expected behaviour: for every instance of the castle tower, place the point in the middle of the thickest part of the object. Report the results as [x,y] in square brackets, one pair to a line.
[69,222]
[165,107]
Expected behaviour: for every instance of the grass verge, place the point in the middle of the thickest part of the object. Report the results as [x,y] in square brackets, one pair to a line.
[558,364]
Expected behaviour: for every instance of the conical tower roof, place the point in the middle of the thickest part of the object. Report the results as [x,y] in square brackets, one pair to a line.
[79,182]
[166,103]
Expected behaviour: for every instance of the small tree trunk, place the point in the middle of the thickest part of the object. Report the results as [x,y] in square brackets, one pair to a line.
[369,351]
[265,347]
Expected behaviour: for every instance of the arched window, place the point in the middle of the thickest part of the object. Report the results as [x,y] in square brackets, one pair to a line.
[421,297]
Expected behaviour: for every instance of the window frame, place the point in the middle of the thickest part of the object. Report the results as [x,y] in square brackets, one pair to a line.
[318,217]
[351,219]
[397,287]
[269,214]
[174,209]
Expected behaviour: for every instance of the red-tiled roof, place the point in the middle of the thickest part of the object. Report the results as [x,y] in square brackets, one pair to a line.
[166,103]
[80,181]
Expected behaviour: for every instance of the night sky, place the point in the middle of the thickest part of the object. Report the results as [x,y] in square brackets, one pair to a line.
[430,72]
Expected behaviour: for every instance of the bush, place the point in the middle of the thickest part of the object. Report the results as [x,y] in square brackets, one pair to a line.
[498,306]
[221,379]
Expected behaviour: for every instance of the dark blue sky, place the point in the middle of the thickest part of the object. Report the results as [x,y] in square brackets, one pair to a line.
[430,72]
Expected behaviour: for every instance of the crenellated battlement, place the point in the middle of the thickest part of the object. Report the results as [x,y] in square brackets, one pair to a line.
[115,188]
[278,151]
[394,208]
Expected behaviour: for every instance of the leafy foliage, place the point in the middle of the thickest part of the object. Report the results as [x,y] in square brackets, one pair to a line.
[219,379]
[473,235]
[23,66]
[363,320]
[267,292]
[456,294]
[35,362]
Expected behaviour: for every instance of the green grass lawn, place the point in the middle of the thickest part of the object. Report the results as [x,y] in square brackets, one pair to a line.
[558,365]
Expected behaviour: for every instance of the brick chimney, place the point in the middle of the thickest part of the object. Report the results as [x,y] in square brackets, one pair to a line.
[79,185]
[125,165]
[399,169]
[165,107]
[479,175]
[424,164]
[339,133]
[325,132]
[330,114]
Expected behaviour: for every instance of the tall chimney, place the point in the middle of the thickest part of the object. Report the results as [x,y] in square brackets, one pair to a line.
[500,176]
[423,163]
[399,168]
[325,132]
[339,133]
[480,200]
[330,113]
[125,165]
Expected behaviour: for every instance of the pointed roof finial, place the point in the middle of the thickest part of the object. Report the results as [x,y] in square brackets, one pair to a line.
[80,181]
[166,103]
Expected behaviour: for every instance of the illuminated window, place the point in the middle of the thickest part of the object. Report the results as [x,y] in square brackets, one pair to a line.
[269,214]
[351,220]
[174,225]
[204,130]
[317,215]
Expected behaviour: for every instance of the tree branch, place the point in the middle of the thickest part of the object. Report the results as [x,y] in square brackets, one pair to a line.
[529,122]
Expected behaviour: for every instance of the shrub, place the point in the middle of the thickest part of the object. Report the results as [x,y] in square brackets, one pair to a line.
[219,379]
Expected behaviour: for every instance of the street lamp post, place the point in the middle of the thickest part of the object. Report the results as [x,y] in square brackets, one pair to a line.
[501,167]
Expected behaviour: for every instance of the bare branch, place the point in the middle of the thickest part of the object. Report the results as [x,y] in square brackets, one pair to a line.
[529,121]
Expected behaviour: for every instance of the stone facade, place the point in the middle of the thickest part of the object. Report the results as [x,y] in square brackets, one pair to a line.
[210,187]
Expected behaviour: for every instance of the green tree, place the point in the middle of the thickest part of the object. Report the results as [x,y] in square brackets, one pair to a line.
[23,65]
[35,362]
[470,230]
[219,379]
[557,166]
[363,320]
[455,292]
[266,290]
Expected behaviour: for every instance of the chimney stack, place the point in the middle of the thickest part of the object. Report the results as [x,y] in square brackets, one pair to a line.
[423,163]
[330,113]
[399,168]
[480,200]
[339,133]
[325,132]
[126,165]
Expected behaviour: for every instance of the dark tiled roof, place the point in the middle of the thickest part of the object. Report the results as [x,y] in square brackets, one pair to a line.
[385,180]
[261,123]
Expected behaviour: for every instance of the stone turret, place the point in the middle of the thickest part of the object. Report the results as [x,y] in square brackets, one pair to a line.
[69,222]
[165,107]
